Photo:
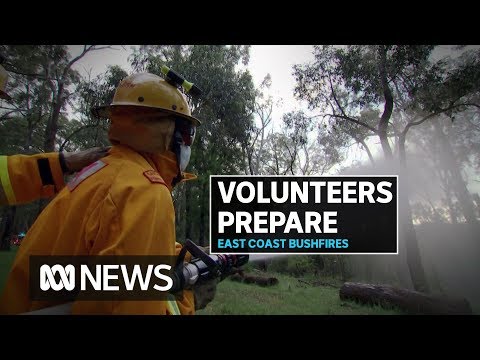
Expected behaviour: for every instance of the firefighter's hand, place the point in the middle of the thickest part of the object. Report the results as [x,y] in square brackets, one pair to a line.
[204,293]
[76,161]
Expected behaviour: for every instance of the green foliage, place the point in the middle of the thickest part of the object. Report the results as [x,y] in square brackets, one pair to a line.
[87,131]
[423,213]
[294,151]
[226,111]
[289,297]
[313,266]
[358,66]
[344,82]
[450,82]
[44,87]
[352,86]
[41,87]
[292,265]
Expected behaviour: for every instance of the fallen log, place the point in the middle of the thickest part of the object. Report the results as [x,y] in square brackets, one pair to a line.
[260,280]
[413,302]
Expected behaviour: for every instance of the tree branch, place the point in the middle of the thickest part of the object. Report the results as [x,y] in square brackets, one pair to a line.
[67,139]
[10,68]
[86,49]
[5,115]
[355,121]
[388,109]
[451,107]
[335,97]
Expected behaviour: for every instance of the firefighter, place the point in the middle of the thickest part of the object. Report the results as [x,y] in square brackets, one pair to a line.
[121,204]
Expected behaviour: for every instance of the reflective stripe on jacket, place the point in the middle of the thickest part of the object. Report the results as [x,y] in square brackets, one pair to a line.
[24,178]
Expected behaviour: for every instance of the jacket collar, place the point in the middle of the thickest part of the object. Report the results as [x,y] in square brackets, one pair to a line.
[165,164]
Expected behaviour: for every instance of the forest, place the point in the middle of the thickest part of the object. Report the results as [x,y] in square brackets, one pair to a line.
[411,110]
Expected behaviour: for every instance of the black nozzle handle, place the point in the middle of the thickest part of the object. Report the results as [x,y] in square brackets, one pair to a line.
[197,252]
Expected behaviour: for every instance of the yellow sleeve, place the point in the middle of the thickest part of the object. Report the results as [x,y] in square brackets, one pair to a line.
[25,178]
[135,219]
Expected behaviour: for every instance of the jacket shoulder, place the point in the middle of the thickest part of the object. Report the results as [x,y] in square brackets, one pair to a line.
[85,173]
[134,180]
[133,173]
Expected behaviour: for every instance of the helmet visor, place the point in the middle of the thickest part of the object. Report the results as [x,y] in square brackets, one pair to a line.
[186,131]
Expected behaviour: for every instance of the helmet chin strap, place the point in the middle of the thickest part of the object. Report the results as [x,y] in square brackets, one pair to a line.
[181,142]
[177,150]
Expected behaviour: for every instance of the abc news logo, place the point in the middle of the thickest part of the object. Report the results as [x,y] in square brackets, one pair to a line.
[100,280]
[97,278]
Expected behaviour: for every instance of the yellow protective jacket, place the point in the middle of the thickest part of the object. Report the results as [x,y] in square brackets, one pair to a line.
[119,205]
[24,178]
